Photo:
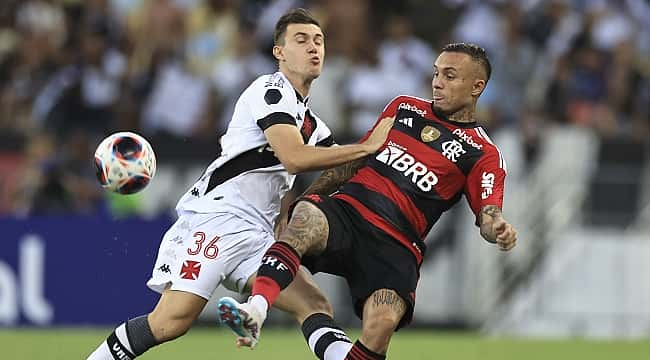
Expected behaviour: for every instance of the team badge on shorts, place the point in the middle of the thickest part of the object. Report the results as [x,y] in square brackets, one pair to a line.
[429,134]
[190,270]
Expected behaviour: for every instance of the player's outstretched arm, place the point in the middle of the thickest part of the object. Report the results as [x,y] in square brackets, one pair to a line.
[495,229]
[331,179]
[288,146]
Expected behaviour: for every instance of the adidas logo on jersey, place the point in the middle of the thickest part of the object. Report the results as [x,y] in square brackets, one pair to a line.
[405,163]
[406,121]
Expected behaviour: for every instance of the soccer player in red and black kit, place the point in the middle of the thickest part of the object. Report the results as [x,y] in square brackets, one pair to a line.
[371,230]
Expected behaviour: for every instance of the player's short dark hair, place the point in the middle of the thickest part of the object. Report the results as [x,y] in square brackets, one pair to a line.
[294,16]
[476,52]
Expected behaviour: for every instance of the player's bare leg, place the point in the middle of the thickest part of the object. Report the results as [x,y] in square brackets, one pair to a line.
[174,314]
[382,313]
[171,318]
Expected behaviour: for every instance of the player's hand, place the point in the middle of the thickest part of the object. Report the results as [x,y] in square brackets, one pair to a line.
[379,134]
[506,234]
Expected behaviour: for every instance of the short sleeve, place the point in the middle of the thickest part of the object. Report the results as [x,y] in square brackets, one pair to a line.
[323,134]
[485,183]
[273,101]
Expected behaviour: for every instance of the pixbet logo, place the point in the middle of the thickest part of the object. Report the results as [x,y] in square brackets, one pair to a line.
[467,138]
[25,291]
[397,158]
[407,106]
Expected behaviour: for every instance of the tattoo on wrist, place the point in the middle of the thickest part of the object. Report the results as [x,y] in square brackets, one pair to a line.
[491,211]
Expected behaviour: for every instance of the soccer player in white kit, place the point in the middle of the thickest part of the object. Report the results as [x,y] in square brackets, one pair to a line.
[226,219]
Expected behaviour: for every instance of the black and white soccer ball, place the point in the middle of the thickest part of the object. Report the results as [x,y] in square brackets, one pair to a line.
[125,163]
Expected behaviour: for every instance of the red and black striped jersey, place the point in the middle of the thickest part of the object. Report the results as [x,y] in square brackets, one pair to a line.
[425,166]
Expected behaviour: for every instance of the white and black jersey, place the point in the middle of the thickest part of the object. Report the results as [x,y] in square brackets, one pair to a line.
[247,179]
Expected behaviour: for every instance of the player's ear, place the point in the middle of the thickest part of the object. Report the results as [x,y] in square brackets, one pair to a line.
[478,87]
[277,53]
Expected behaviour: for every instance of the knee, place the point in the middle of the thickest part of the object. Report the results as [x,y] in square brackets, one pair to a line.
[166,327]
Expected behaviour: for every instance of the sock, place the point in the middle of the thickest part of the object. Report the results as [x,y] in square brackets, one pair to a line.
[127,341]
[326,340]
[360,352]
[260,303]
[279,266]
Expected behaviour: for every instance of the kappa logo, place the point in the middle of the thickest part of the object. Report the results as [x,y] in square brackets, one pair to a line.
[406,121]
[165,268]
[487,183]
[410,107]
[452,149]
[397,158]
[467,138]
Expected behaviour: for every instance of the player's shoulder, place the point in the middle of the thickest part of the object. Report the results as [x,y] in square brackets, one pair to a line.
[271,88]
[408,102]
[489,147]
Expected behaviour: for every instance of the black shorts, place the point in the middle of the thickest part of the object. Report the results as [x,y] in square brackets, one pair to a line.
[365,256]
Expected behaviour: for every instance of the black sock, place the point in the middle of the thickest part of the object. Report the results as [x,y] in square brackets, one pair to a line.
[279,266]
[323,334]
[140,336]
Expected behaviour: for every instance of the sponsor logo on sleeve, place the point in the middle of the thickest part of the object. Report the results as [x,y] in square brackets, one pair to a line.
[487,183]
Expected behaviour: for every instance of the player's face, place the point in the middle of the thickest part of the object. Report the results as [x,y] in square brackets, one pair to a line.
[303,50]
[454,82]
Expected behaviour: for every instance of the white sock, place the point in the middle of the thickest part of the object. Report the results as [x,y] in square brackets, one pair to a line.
[337,350]
[259,302]
[120,349]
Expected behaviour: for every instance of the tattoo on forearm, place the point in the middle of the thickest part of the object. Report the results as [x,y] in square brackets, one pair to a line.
[390,298]
[331,179]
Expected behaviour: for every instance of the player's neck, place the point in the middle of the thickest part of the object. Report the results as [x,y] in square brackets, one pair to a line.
[463,116]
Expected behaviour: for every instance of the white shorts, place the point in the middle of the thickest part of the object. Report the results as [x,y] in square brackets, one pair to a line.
[200,251]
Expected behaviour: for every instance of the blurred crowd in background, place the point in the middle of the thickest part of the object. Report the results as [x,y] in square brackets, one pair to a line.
[74,71]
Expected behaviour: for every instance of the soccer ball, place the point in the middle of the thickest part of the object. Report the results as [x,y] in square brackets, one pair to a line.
[125,163]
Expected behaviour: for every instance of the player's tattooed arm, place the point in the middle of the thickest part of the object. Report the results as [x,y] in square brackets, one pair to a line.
[495,229]
[331,179]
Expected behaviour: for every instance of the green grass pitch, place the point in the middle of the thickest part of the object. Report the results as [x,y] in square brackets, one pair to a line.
[288,344]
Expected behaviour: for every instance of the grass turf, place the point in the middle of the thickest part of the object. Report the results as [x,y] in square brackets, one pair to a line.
[288,344]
